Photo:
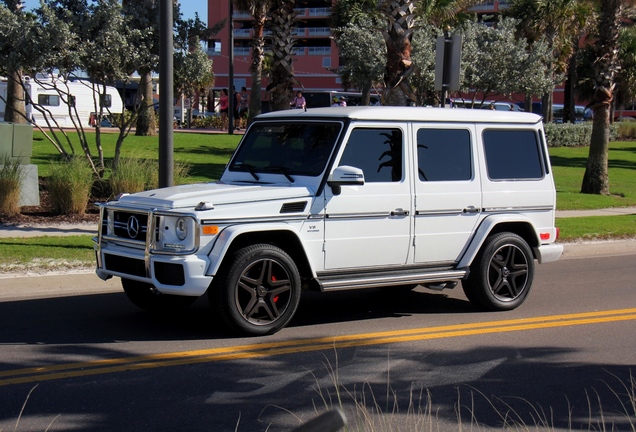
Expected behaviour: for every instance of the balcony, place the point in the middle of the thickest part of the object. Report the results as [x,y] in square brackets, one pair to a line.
[243,33]
[319,51]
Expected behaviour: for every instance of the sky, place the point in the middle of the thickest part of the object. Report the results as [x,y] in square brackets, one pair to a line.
[188,8]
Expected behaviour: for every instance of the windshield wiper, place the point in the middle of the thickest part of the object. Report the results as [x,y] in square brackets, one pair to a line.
[249,168]
[281,169]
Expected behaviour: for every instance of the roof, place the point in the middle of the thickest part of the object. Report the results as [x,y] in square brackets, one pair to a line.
[391,113]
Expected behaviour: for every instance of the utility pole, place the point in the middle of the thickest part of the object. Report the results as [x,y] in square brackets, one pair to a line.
[166,94]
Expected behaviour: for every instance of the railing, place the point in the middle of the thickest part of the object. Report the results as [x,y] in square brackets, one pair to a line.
[241,51]
[242,33]
[319,51]
[319,12]
[319,31]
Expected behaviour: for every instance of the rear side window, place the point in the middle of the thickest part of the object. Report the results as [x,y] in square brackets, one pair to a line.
[443,155]
[512,154]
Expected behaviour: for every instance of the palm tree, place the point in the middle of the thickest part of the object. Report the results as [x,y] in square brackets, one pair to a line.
[282,22]
[606,67]
[258,9]
[400,17]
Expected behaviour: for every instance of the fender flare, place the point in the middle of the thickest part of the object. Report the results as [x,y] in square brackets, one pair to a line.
[227,236]
[484,230]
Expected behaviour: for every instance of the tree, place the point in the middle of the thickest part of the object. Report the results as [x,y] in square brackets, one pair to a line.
[281,24]
[258,9]
[399,18]
[606,67]
[13,26]
[363,52]
[556,21]
[494,61]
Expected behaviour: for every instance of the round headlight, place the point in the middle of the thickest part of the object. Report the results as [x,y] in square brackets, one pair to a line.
[181,228]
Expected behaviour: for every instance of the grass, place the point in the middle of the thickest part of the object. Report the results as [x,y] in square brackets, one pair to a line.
[597,228]
[205,154]
[569,167]
[38,254]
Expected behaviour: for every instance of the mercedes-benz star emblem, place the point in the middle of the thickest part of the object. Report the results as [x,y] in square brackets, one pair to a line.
[133,227]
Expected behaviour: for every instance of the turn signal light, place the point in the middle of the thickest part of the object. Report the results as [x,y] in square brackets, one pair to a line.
[210,229]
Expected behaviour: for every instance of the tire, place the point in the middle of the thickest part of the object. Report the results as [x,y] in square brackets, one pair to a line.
[146,297]
[257,292]
[501,275]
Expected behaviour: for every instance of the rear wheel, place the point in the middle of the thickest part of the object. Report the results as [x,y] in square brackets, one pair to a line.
[258,292]
[146,297]
[501,276]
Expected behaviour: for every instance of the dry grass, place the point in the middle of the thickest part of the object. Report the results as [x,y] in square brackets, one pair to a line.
[10,172]
[69,185]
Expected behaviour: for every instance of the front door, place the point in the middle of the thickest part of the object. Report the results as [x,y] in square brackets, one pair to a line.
[370,225]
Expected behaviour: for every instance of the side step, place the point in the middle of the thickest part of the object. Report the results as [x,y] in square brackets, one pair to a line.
[436,280]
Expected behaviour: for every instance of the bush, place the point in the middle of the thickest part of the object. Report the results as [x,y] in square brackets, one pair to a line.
[69,185]
[627,130]
[140,174]
[10,172]
[573,135]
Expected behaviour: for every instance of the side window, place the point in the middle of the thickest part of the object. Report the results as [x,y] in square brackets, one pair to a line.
[444,155]
[377,152]
[512,154]
[48,100]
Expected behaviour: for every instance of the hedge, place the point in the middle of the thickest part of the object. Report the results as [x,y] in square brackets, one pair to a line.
[573,135]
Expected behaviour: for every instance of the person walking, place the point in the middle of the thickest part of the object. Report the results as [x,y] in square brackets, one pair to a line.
[299,101]
[243,107]
[224,103]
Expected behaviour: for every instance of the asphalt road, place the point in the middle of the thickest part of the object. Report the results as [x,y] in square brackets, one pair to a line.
[100,364]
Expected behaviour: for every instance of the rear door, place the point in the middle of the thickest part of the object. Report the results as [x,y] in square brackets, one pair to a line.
[447,191]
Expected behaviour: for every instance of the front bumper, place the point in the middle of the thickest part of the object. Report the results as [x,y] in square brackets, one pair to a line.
[177,275]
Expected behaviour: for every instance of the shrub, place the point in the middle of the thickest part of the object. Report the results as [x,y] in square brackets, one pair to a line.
[573,135]
[139,174]
[627,130]
[10,172]
[69,185]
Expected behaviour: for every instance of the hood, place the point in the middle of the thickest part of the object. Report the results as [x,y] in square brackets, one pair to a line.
[188,196]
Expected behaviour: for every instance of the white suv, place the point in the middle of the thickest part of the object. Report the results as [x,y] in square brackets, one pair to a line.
[344,198]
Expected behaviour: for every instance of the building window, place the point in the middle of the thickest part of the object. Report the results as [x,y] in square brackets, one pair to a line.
[326,62]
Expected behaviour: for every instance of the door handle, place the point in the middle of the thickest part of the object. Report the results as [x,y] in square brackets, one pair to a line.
[399,212]
[471,209]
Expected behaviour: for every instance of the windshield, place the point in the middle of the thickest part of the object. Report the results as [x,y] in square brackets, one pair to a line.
[286,148]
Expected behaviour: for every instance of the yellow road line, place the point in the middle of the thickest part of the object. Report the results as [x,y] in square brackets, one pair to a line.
[98,367]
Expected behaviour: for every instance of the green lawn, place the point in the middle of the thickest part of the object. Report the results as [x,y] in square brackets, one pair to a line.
[46,253]
[206,154]
[569,167]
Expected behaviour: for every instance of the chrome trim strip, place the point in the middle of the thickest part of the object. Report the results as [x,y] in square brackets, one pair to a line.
[449,212]
[389,280]
[221,221]
[358,215]
[517,209]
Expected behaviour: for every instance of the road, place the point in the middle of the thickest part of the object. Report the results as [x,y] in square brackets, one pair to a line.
[93,362]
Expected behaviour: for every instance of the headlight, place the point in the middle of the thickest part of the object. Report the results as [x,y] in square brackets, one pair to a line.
[181,228]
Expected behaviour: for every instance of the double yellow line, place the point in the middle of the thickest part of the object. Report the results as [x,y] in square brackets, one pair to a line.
[98,367]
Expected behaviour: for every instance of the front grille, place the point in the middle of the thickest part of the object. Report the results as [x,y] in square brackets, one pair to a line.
[132,226]
[119,264]
[169,273]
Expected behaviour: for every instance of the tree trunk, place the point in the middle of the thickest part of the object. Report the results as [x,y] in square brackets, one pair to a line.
[258,57]
[15,110]
[146,122]
[595,180]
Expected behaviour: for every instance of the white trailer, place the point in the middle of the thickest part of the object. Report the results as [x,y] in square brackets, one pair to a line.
[53,96]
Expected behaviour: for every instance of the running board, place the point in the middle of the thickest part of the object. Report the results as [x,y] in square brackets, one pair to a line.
[357,281]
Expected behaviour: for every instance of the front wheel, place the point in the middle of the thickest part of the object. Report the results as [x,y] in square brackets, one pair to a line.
[501,275]
[145,296]
[257,293]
